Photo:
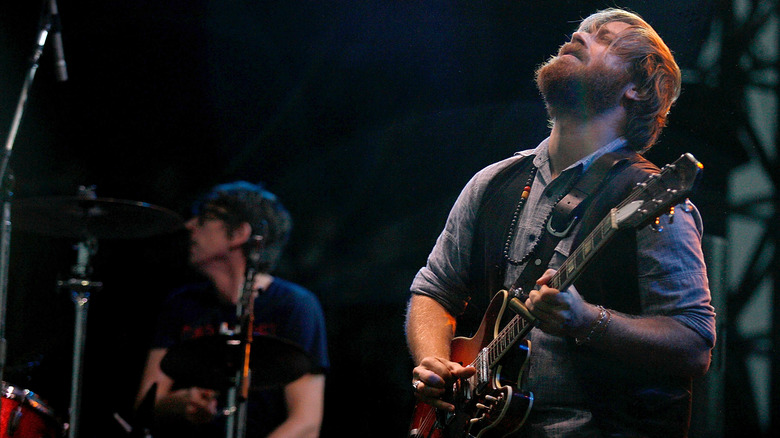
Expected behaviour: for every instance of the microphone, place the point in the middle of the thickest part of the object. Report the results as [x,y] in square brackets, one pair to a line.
[59,54]
[255,246]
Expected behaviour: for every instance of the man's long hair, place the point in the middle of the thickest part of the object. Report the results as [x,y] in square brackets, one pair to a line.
[652,69]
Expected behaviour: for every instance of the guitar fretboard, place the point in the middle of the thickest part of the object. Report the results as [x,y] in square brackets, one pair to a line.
[571,268]
[489,356]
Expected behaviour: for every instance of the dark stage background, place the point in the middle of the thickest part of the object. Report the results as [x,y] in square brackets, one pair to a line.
[365,117]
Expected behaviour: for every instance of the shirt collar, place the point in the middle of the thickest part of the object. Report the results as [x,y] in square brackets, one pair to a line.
[542,155]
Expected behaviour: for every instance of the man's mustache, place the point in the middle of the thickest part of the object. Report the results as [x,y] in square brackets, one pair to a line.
[575,49]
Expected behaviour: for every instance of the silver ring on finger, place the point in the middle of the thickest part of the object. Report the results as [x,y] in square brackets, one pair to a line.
[415,384]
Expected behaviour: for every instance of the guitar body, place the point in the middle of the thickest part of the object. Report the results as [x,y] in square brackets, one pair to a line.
[484,408]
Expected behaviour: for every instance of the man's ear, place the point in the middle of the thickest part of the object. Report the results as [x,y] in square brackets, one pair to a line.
[631,93]
[241,234]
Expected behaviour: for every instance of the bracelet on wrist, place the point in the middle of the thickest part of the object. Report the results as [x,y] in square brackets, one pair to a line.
[598,327]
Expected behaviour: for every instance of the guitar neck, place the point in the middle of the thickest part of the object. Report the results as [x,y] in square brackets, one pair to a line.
[514,330]
[491,354]
[568,272]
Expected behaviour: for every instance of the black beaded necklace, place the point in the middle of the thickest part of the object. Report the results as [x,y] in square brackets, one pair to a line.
[516,217]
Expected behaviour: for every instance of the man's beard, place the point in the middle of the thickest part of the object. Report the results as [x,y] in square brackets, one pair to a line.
[572,89]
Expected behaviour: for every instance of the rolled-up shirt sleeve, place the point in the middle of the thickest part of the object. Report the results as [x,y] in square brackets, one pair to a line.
[672,273]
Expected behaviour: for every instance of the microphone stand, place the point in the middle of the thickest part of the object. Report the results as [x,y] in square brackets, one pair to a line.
[5,245]
[5,228]
[238,394]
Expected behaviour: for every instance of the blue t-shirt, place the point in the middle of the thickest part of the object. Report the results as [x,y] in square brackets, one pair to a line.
[284,310]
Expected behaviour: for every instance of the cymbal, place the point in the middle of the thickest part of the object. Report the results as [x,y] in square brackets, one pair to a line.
[212,361]
[83,217]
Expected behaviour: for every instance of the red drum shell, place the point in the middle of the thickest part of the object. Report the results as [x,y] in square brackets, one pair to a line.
[31,416]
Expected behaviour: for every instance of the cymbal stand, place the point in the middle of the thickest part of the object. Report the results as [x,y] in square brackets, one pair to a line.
[80,288]
[5,239]
[238,394]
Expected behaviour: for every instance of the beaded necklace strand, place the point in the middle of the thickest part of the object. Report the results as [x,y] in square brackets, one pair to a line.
[516,217]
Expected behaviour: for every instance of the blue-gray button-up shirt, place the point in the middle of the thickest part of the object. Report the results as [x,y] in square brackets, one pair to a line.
[672,274]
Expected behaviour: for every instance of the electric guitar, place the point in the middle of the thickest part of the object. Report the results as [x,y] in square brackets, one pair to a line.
[490,403]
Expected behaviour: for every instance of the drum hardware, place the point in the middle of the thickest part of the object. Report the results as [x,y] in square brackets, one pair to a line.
[211,362]
[25,415]
[89,218]
[15,418]
[143,419]
[214,362]
[61,217]
[6,193]
[80,288]
[46,26]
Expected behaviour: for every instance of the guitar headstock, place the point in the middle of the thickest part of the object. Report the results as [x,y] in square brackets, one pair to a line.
[658,193]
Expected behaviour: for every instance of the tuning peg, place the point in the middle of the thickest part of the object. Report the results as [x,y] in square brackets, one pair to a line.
[671,214]
[656,225]
[687,206]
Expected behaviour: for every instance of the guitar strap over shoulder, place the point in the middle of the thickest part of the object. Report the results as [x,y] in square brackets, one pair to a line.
[495,214]
[565,216]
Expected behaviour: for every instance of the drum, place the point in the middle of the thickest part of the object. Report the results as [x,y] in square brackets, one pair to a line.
[24,415]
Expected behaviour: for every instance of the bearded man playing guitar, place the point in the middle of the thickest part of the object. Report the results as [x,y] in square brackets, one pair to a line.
[612,354]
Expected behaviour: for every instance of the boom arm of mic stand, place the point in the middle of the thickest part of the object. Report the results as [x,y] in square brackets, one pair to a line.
[22,103]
